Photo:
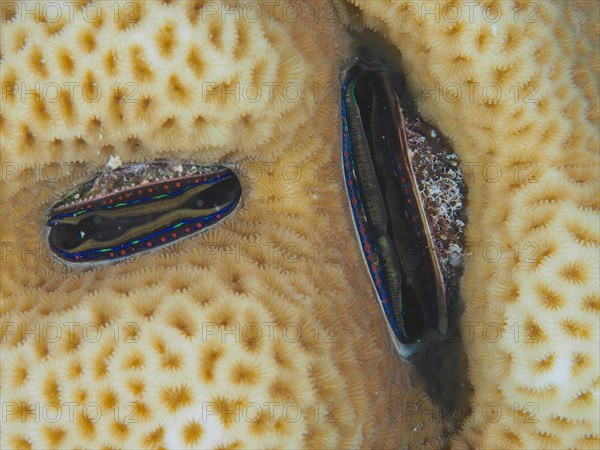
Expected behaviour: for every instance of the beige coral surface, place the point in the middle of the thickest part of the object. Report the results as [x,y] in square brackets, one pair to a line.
[260,333]
[515,85]
[198,344]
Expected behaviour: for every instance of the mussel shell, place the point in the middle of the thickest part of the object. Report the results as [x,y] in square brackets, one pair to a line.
[387,208]
[140,206]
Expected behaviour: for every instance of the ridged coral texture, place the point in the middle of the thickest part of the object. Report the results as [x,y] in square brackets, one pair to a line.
[260,333]
[515,86]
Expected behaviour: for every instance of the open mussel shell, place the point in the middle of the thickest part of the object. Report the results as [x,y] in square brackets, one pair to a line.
[137,207]
[387,208]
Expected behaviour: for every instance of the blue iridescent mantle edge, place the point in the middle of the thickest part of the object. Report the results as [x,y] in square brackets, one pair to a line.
[205,222]
[368,247]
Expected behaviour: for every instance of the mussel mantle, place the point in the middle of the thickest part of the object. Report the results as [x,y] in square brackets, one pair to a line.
[388,210]
[140,206]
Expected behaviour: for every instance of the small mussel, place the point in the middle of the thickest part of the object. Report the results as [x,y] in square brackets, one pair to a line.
[140,206]
[409,238]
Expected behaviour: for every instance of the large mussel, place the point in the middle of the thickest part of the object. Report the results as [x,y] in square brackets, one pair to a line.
[409,237]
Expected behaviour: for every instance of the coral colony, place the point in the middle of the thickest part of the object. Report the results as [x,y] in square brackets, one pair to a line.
[136,353]
[169,342]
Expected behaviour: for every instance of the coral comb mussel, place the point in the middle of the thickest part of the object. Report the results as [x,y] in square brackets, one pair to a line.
[404,186]
[123,211]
